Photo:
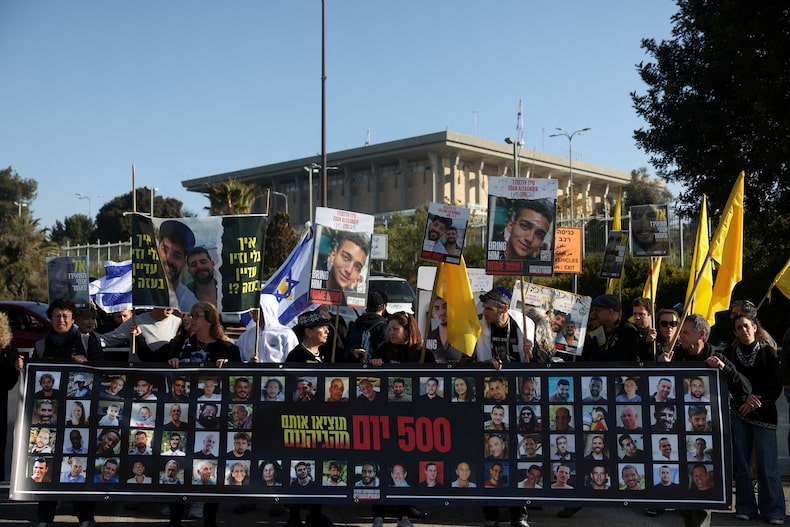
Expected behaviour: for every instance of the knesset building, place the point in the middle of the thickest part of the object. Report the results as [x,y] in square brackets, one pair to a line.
[404,175]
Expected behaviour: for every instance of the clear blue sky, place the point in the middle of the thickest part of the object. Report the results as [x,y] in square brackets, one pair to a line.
[186,89]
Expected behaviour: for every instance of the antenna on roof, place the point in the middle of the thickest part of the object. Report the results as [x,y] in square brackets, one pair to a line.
[367,138]
[520,122]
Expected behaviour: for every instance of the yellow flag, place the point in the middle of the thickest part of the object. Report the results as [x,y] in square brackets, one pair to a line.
[463,326]
[699,304]
[649,290]
[726,248]
[782,281]
[612,283]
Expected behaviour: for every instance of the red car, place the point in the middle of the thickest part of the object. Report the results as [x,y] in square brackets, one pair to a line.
[28,321]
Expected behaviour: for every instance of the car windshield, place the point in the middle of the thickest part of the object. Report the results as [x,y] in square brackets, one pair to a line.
[396,291]
[40,310]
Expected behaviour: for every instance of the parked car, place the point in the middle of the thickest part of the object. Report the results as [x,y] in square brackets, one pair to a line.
[28,320]
[398,292]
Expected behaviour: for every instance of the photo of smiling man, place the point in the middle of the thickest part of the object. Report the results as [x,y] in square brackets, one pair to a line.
[341,258]
[521,214]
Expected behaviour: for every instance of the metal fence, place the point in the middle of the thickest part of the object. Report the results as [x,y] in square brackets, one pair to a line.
[98,253]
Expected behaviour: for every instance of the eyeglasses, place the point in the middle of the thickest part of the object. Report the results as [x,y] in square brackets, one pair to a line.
[62,316]
[669,323]
[198,315]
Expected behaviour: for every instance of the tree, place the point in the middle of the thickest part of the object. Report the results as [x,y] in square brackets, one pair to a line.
[23,252]
[715,105]
[644,190]
[113,226]
[75,230]
[280,241]
[13,190]
[231,197]
[405,233]
[715,102]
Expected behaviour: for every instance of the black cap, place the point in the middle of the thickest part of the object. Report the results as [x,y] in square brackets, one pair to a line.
[376,301]
[179,233]
[607,301]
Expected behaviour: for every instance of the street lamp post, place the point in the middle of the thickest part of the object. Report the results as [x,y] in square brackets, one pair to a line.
[80,195]
[310,170]
[21,204]
[570,136]
[285,198]
[516,143]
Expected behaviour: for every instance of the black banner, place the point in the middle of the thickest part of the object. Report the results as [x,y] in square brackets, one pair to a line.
[399,434]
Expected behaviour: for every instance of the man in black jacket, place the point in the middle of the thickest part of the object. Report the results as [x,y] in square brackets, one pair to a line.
[370,326]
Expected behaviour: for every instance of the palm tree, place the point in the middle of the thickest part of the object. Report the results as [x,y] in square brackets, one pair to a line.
[231,197]
[23,252]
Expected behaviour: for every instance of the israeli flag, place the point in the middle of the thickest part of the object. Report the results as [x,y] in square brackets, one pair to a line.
[284,297]
[113,292]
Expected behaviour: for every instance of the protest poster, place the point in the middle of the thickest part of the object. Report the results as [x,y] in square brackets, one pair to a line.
[341,257]
[178,262]
[445,231]
[568,250]
[567,312]
[614,254]
[649,230]
[527,432]
[521,221]
[67,277]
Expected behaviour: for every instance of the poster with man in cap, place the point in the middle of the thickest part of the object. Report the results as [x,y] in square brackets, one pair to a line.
[225,254]
[521,225]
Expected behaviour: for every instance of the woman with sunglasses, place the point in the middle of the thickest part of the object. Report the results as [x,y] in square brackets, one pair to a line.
[667,325]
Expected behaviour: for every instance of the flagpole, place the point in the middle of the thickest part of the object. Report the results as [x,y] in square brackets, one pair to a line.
[258,319]
[439,270]
[708,258]
[133,341]
[334,340]
[527,356]
[781,273]
[652,303]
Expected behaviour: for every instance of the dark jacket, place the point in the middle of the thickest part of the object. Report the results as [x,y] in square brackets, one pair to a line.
[374,324]
[66,346]
[401,353]
[192,351]
[622,345]
[765,376]
[739,385]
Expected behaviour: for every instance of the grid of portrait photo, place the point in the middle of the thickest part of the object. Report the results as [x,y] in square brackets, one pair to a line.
[375,434]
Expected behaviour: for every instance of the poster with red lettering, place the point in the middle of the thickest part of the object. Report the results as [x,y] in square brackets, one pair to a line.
[521,222]
[341,257]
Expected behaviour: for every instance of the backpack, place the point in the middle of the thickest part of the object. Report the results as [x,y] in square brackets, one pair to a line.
[360,338]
